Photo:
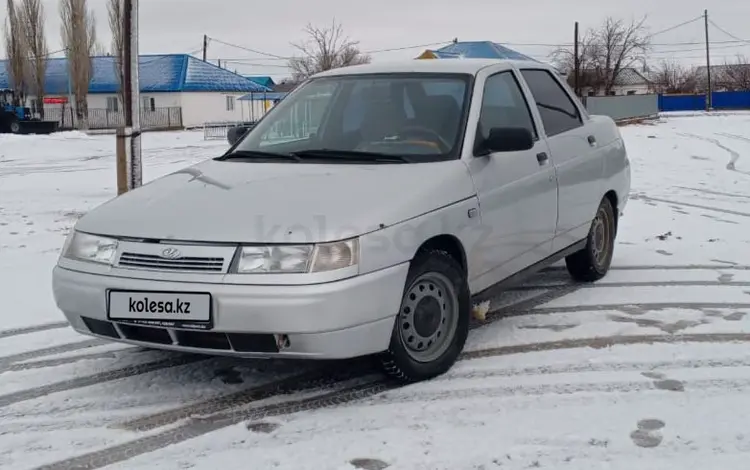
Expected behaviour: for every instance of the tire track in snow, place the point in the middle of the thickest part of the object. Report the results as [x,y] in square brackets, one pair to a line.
[44,363]
[6,361]
[200,427]
[608,341]
[319,378]
[642,306]
[551,389]
[32,329]
[195,427]
[688,204]
[664,267]
[715,193]
[577,368]
[636,284]
[733,154]
[95,379]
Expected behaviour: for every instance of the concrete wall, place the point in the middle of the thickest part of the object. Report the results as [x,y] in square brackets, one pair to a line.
[623,107]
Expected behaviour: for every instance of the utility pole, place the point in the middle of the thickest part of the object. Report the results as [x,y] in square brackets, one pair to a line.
[709,101]
[129,173]
[205,46]
[576,63]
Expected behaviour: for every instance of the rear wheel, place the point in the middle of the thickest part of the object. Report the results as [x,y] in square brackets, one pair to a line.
[433,322]
[14,126]
[592,262]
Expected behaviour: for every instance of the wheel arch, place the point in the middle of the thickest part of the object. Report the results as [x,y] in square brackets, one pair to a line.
[449,244]
[611,195]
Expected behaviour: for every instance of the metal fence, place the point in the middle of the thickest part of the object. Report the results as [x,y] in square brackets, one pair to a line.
[158,119]
[218,130]
[623,107]
[697,102]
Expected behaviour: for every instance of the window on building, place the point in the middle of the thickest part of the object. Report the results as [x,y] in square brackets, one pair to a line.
[230,103]
[34,105]
[113,104]
[559,113]
[149,104]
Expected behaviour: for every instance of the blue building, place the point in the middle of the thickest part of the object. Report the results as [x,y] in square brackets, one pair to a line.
[179,84]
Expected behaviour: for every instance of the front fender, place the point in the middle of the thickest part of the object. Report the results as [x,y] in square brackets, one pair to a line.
[399,243]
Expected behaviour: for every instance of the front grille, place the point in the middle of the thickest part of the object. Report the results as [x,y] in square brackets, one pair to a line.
[208,340]
[188,263]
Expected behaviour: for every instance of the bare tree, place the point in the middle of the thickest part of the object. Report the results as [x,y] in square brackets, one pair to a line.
[606,51]
[32,15]
[16,50]
[79,39]
[116,16]
[734,76]
[671,77]
[325,49]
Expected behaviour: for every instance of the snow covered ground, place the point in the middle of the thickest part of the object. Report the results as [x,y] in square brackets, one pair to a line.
[648,369]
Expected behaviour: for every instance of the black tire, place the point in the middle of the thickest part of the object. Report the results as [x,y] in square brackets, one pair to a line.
[14,127]
[435,275]
[592,262]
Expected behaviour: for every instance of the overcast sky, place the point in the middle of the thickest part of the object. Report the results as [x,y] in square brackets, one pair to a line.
[177,26]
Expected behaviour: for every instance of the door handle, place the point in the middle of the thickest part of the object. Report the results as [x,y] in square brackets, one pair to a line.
[592,140]
[542,158]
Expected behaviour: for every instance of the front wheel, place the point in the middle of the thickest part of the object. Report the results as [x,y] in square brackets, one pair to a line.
[592,262]
[433,322]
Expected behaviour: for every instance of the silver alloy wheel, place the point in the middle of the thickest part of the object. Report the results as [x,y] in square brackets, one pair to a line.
[428,317]
[15,127]
[601,237]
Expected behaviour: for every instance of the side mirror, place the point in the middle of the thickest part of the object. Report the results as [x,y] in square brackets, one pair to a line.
[508,139]
[235,133]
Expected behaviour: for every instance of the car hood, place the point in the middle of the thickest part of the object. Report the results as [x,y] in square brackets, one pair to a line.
[222,201]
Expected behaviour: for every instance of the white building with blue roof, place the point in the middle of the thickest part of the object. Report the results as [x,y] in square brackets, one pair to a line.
[173,87]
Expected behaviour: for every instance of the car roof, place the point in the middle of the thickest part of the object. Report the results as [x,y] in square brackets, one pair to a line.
[466,66]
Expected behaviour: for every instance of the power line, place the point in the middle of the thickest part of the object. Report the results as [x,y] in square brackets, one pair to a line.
[728,33]
[270,56]
[564,44]
[696,49]
[406,48]
[255,51]
[241,62]
[672,28]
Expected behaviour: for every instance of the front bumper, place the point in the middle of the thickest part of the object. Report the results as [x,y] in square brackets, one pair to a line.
[335,320]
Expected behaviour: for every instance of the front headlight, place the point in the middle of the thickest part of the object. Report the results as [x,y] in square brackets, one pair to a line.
[290,259]
[85,247]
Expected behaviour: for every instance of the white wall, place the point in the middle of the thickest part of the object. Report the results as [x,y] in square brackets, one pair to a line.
[200,108]
[97,103]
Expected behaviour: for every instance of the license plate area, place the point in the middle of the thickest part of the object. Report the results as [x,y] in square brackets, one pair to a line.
[188,310]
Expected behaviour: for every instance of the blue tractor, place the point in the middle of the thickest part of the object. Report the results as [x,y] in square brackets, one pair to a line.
[18,119]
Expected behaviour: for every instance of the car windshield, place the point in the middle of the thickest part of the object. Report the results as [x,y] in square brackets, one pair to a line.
[385,117]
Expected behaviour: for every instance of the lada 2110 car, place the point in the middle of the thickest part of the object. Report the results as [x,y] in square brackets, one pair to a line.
[359,217]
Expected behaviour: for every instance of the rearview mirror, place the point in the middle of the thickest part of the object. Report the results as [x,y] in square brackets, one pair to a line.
[508,139]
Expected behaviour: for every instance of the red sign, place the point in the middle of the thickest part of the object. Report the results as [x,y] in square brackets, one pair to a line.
[62,100]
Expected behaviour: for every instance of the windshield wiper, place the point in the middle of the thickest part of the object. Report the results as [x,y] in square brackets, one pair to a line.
[351,155]
[257,155]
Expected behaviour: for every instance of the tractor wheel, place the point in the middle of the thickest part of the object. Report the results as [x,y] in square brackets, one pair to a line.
[14,126]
